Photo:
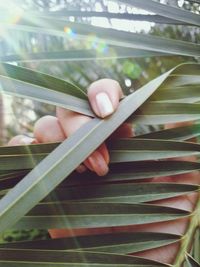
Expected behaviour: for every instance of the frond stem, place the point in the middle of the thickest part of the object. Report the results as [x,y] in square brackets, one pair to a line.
[187,237]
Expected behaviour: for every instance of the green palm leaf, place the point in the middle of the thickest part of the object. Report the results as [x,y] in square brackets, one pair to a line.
[80,55]
[10,258]
[124,150]
[114,193]
[25,82]
[178,133]
[165,11]
[191,261]
[43,198]
[65,13]
[84,139]
[96,214]
[114,37]
[118,172]
[122,243]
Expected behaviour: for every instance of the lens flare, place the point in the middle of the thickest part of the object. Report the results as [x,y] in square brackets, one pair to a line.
[11,14]
[98,45]
[69,32]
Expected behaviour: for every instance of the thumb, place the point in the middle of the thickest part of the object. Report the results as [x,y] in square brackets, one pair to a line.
[104,96]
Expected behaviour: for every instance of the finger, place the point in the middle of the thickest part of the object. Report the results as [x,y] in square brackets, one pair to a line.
[21,140]
[47,129]
[104,96]
[91,164]
[96,162]
[125,130]
[71,122]
[104,151]
[81,168]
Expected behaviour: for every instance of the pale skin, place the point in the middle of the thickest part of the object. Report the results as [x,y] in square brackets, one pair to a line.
[52,129]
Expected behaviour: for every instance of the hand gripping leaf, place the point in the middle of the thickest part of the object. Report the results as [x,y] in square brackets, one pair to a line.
[66,157]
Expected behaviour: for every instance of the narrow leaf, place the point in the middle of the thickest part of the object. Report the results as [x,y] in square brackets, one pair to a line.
[111,36]
[134,149]
[189,94]
[162,113]
[118,172]
[124,150]
[27,83]
[191,261]
[127,193]
[95,214]
[121,243]
[13,257]
[65,13]
[165,10]
[178,133]
[40,79]
[80,55]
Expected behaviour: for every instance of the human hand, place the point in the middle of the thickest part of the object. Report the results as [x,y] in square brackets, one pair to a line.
[52,129]
[104,96]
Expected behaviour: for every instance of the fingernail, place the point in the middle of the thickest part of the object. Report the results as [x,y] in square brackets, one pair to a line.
[27,140]
[104,104]
[98,163]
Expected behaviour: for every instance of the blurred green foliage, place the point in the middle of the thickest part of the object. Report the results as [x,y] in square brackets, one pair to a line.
[14,235]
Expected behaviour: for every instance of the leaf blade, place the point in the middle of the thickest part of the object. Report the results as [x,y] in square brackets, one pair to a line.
[30,190]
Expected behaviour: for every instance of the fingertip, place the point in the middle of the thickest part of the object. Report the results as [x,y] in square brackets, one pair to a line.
[47,129]
[104,96]
[96,163]
[81,168]
[104,152]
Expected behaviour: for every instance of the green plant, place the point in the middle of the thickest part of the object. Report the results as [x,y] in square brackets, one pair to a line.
[43,198]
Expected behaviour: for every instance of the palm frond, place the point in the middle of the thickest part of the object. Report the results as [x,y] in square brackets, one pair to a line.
[33,186]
